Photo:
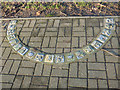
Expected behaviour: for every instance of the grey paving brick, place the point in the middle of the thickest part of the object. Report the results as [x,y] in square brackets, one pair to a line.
[41,20]
[50,22]
[49,50]
[3,62]
[110,71]
[45,42]
[62,45]
[25,71]
[111,59]
[96,31]
[96,66]
[15,56]
[77,82]
[27,64]
[7,66]
[19,25]
[52,42]
[4,85]
[41,32]
[36,39]
[26,82]
[47,70]
[38,69]
[27,29]
[89,31]
[36,87]
[82,41]
[17,82]
[92,22]
[113,83]
[101,22]
[82,70]
[42,24]
[51,34]
[78,29]
[117,70]
[53,82]
[26,23]
[52,29]
[82,22]
[59,72]
[61,32]
[5,44]
[100,56]
[40,80]
[75,22]
[35,44]
[78,33]
[56,23]
[91,58]
[102,84]
[92,83]
[8,78]
[73,70]
[97,74]
[25,33]
[59,50]
[32,23]
[61,81]
[75,42]
[14,67]
[114,42]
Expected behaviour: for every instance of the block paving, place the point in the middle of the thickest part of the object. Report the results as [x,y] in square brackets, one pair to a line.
[100,70]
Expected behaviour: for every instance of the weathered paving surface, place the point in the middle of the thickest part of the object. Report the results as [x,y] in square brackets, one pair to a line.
[58,36]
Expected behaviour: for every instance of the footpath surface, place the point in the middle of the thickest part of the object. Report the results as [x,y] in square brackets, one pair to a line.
[58,36]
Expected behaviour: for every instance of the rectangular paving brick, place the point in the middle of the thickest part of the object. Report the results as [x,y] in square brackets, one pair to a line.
[17,82]
[52,29]
[56,23]
[50,22]
[40,80]
[100,56]
[63,45]
[27,29]
[53,82]
[5,44]
[91,58]
[113,83]
[32,23]
[5,85]
[102,84]
[82,70]
[51,50]
[25,71]
[65,24]
[59,72]
[7,66]
[75,22]
[47,70]
[26,82]
[89,31]
[51,34]
[82,22]
[97,74]
[78,33]
[15,56]
[61,32]
[8,78]
[27,64]
[111,71]
[96,31]
[111,59]
[39,39]
[25,33]
[82,41]
[77,82]
[62,83]
[52,42]
[92,22]
[96,66]
[41,32]
[92,83]
[75,42]
[73,70]
[78,29]
[14,67]
[35,44]
[26,23]
[114,42]
[38,69]
[45,42]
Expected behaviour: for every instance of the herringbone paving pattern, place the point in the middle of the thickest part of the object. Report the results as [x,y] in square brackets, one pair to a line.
[58,36]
